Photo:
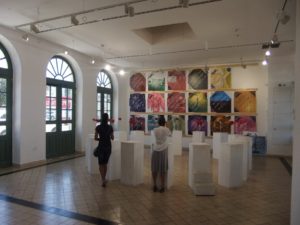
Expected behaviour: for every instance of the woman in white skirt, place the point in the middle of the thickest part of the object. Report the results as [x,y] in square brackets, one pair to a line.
[159,160]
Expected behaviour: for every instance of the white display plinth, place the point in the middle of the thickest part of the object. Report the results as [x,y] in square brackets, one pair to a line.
[230,169]
[176,142]
[132,162]
[198,136]
[114,163]
[248,140]
[120,135]
[91,160]
[199,161]
[219,138]
[137,135]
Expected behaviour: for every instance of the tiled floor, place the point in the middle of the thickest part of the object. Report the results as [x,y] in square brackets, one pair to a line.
[64,193]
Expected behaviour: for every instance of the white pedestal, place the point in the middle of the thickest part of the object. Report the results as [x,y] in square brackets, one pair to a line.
[198,136]
[176,142]
[137,135]
[248,140]
[114,163]
[199,160]
[91,160]
[132,162]
[219,138]
[230,169]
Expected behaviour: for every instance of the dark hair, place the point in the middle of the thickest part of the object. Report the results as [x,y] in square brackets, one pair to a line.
[161,120]
[104,119]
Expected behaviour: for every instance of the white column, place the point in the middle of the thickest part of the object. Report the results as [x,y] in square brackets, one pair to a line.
[91,160]
[177,142]
[114,163]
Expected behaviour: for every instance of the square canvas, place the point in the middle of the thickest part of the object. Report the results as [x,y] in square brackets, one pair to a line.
[137,103]
[176,80]
[220,124]
[197,123]
[156,102]
[197,102]
[245,101]
[198,79]
[220,102]
[138,82]
[156,81]
[220,78]
[137,123]
[176,102]
[152,122]
[244,123]
[176,122]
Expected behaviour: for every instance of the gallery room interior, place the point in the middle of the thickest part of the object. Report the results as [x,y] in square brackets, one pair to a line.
[224,74]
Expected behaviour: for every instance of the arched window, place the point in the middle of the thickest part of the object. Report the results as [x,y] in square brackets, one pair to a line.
[60,110]
[6,76]
[104,94]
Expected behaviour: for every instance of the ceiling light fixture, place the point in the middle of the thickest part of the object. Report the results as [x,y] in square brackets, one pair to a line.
[25,37]
[268,53]
[122,72]
[74,20]
[93,61]
[107,67]
[34,28]
[184,3]
[66,52]
[264,62]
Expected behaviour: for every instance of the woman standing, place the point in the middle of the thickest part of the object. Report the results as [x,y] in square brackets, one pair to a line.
[104,134]
[159,160]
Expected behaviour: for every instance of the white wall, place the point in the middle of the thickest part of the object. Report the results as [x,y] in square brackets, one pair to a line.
[30,60]
[295,198]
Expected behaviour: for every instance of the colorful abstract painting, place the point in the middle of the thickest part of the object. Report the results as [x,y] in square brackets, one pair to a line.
[176,122]
[176,102]
[244,123]
[220,124]
[220,78]
[198,79]
[176,80]
[156,102]
[245,101]
[197,102]
[220,102]
[156,81]
[197,123]
[137,123]
[138,82]
[152,122]
[137,103]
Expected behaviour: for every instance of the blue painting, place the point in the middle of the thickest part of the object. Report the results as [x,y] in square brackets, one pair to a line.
[220,102]
[137,103]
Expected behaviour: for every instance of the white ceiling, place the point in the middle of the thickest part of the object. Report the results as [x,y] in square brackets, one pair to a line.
[224,31]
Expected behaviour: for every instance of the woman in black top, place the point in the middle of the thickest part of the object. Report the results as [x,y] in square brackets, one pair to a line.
[104,134]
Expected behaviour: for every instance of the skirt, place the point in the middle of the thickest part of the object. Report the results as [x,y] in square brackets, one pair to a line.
[103,154]
[159,161]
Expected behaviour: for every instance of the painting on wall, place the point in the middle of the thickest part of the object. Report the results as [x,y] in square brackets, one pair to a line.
[220,102]
[138,82]
[152,122]
[220,78]
[156,81]
[197,102]
[156,102]
[137,103]
[176,102]
[137,123]
[176,122]
[245,101]
[197,123]
[244,123]
[220,124]
[176,80]
[198,79]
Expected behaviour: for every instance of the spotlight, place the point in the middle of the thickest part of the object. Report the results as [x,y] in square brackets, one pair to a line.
[25,37]
[264,62]
[74,20]
[66,52]
[184,3]
[268,53]
[265,45]
[92,61]
[122,72]
[107,67]
[34,28]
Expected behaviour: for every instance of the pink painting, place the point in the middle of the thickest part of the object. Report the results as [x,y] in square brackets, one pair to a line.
[176,80]
[156,102]
[244,123]
[176,102]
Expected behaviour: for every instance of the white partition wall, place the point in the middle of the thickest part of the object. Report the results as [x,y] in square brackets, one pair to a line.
[114,163]
[120,135]
[132,163]
[137,135]
[177,142]
[219,138]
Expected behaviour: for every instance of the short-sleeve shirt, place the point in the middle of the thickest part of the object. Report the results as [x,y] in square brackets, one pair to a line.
[105,131]
[161,138]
